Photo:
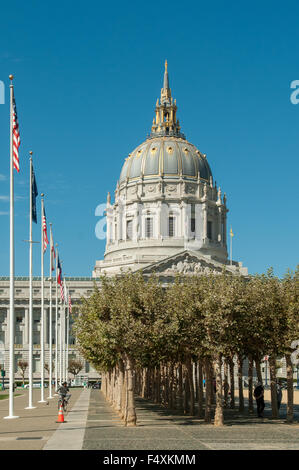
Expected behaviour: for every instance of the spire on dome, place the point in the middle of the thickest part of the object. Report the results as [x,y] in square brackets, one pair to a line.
[165,122]
[166,79]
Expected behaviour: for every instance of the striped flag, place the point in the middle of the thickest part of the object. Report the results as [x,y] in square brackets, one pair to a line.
[15,136]
[61,292]
[70,304]
[60,280]
[45,235]
[65,291]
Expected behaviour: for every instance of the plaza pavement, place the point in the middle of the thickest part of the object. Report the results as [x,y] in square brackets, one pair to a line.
[91,424]
[34,427]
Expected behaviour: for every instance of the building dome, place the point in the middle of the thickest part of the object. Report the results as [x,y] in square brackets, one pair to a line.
[167,157]
[165,201]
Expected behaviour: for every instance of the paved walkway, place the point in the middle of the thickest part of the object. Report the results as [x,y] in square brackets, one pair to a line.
[33,427]
[91,424]
[159,430]
[70,434]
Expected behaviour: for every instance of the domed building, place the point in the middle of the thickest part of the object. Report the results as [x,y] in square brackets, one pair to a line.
[168,215]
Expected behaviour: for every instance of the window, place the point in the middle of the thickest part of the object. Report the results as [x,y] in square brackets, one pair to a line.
[36,364]
[129,229]
[209,230]
[18,337]
[192,225]
[148,227]
[171,226]
[36,337]
[192,222]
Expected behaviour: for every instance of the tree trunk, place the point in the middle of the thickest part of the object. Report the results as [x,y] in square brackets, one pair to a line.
[290,389]
[195,365]
[208,407]
[225,384]
[186,390]
[180,386]
[232,382]
[258,369]
[240,381]
[200,389]
[272,364]
[130,412]
[143,387]
[191,385]
[250,384]
[218,420]
[121,378]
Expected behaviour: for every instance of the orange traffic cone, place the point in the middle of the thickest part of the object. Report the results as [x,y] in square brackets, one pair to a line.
[60,415]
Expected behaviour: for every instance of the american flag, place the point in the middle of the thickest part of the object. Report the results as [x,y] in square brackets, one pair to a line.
[15,136]
[59,280]
[61,292]
[45,236]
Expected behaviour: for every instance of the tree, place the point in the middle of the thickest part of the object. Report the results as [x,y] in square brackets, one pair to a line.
[23,366]
[75,366]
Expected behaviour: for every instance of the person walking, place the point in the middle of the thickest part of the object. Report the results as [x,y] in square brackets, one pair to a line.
[259,397]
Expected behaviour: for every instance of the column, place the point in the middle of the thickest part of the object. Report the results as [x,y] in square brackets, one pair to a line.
[219,225]
[205,221]
[158,222]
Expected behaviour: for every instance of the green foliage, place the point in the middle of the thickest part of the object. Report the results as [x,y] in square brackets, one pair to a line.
[209,315]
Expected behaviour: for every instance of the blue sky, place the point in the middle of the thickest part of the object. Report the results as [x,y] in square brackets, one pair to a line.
[87,76]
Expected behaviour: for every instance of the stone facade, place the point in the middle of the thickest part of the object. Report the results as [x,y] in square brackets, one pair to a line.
[78,287]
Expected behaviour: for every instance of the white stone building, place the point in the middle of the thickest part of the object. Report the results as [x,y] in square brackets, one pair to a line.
[78,287]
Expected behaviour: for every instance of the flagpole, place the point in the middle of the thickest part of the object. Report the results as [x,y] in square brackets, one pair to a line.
[231,246]
[12,269]
[63,341]
[42,332]
[56,328]
[30,373]
[50,317]
[60,343]
[67,336]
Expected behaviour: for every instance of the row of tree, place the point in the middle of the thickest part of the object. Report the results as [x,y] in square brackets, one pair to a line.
[161,342]
[74,367]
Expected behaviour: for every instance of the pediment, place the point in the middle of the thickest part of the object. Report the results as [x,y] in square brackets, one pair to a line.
[186,262]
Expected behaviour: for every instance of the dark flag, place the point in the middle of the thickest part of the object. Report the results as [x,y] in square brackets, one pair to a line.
[34,194]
